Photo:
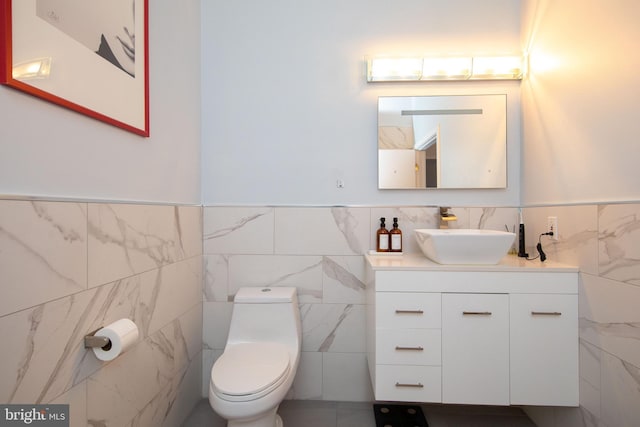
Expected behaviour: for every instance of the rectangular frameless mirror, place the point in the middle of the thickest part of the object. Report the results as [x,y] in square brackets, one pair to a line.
[442,141]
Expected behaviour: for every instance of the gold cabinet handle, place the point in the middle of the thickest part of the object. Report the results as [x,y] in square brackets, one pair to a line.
[476,313]
[546,313]
[418,385]
[410,348]
[409,312]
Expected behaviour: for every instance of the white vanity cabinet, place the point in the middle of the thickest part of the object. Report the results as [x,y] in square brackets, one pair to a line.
[496,335]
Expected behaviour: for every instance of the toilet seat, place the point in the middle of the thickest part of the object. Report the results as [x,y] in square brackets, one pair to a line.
[248,371]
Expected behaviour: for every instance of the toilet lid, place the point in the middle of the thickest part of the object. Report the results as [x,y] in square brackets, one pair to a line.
[249,368]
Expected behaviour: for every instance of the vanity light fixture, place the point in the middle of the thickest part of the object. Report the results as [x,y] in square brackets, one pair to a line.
[394,69]
[497,67]
[453,68]
[389,69]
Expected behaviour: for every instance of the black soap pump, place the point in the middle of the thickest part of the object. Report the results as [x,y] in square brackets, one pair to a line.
[521,247]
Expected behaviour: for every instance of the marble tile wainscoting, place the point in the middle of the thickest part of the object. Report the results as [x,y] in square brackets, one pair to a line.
[67,269]
[320,251]
[604,241]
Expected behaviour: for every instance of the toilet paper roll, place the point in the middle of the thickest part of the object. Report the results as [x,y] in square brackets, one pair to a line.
[122,334]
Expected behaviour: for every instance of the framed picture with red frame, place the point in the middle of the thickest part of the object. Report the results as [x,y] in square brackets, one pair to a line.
[91,56]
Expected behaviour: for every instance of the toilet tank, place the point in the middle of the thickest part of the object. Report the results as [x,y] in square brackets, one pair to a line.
[266,314]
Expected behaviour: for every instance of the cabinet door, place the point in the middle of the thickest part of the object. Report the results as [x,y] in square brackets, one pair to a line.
[544,349]
[475,348]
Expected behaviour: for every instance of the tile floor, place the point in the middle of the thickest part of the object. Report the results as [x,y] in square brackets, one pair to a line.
[314,413]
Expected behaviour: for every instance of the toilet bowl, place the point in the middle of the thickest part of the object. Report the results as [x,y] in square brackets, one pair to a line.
[254,373]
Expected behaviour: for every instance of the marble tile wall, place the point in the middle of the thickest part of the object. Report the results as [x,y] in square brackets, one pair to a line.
[604,241]
[70,268]
[319,251]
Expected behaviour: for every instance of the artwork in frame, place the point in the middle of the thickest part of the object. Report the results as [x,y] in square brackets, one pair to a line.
[90,56]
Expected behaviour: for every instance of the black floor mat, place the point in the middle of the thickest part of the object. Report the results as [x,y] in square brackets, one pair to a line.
[399,416]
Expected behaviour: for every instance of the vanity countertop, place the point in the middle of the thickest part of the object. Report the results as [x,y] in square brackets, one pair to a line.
[419,262]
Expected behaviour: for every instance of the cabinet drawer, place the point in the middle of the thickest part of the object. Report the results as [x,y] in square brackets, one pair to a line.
[408,346]
[408,383]
[407,310]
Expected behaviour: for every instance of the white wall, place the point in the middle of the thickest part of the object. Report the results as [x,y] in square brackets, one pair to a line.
[581,102]
[287,111]
[580,162]
[48,151]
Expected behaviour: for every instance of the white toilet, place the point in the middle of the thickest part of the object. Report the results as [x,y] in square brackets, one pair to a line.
[260,359]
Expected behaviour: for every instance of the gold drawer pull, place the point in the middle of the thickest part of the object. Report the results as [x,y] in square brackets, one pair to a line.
[409,312]
[410,348]
[476,313]
[546,313]
[419,385]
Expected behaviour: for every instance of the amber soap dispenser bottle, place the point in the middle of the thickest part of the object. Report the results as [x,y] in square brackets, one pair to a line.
[396,237]
[382,237]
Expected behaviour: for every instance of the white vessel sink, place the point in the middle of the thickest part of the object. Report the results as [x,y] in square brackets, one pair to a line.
[464,246]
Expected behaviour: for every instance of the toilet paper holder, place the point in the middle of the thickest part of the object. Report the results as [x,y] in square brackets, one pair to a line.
[93,341]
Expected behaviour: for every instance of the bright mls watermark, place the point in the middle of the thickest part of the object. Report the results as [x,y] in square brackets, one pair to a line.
[34,415]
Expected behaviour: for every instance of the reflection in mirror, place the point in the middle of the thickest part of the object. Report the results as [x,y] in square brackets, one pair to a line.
[442,142]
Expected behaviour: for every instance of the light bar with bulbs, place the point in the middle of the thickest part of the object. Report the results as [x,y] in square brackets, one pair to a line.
[396,69]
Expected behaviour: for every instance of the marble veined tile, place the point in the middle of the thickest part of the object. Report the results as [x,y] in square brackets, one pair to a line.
[173,403]
[208,359]
[577,242]
[343,279]
[238,230]
[333,327]
[151,299]
[216,278]
[620,392]
[307,384]
[216,318]
[590,357]
[322,231]
[494,219]
[619,242]
[162,409]
[609,317]
[345,377]
[76,398]
[301,272]
[608,301]
[181,396]
[47,355]
[409,219]
[120,391]
[590,377]
[191,330]
[43,252]
[176,289]
[46,348]
[618,339]
[128,239]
